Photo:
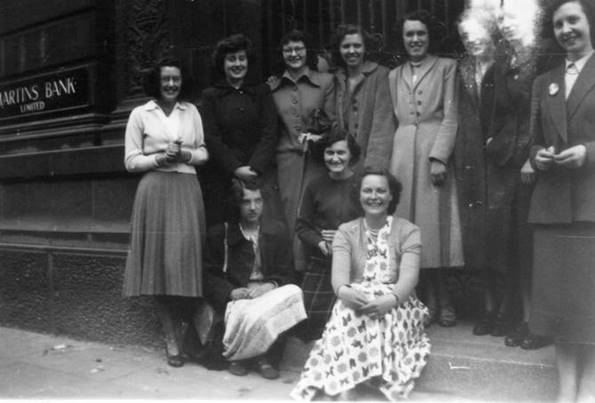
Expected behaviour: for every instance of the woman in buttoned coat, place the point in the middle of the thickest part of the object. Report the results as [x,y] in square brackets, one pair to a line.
[240,129]
[424,99]
[362,97]
[298,94]
[563,202]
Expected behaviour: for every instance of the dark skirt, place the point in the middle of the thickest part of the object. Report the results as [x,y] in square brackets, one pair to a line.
[167,236]
[319,298]
[563,298]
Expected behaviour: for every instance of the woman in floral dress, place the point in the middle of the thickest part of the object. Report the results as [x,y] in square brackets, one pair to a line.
[375,334]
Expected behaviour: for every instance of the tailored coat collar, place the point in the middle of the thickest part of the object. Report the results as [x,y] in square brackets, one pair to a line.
[225,88]
[367,69]
[235,236]
[426,65]
[308,76]
[583,84]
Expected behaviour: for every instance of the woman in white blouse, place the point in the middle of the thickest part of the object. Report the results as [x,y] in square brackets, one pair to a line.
[164,140]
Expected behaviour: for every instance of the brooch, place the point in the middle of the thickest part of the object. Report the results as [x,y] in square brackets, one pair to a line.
[554,88]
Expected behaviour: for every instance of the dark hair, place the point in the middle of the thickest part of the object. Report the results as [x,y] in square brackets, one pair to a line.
[295,35]
[152,78]
[235,197]
[394,186]
[425,18]
[340,34]
[588,8]
[232,44]
[337,134]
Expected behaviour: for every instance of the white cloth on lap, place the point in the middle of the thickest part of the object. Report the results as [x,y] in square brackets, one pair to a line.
[253,325]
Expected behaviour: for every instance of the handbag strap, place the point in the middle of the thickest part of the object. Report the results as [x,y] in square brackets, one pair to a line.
[225,248]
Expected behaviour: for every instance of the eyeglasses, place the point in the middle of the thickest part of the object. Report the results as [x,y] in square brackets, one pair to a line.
[296,49]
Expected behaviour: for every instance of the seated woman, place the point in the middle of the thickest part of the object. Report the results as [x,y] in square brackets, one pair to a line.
[329,200]
[375,334]
[248,271]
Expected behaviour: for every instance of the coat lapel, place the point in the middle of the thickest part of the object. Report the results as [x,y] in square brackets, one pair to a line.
[555,96]
[424,69]
[584,83]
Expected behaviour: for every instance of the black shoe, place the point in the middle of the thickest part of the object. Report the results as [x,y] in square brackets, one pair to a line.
[174,360]
[484,326]
[501,326]
[237,368]
[534,342]
[516,337]
[266,370]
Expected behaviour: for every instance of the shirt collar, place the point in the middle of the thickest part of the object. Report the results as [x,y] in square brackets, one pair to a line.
[152,105]
[367,69]
[307,75]
[580,63]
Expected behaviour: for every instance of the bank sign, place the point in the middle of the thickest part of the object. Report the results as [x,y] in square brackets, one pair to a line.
[52,92]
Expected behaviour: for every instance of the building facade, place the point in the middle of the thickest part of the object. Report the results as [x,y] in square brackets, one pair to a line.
[70,72]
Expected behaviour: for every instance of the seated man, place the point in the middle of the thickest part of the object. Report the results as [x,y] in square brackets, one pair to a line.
[247,276]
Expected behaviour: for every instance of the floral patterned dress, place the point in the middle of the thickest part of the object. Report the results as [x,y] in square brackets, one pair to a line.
[389,352]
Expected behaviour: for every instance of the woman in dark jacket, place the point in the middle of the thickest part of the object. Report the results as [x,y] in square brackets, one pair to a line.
[563,203]
[247,279]
[240,122]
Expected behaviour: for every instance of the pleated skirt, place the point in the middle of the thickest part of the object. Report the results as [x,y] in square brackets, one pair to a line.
[563,289]
[167,237]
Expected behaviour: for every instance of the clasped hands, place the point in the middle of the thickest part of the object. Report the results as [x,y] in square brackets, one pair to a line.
[327,240]
[173,153]
[359,302]
[572,158]
[251,293]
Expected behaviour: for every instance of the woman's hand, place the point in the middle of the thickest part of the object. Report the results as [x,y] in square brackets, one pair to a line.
[573,157]
[328,234]
[161,160]
[261,290]
[527,173]
[351,297]
[544,159]
[437,172]
[323,246]
[239,293]
[246,174]
[379,306]
[173,151]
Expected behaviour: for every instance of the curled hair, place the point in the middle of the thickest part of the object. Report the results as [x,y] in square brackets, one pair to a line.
[431,24]
[394,186]
[295,35]
[152,78]
[337,134]
[340,34]
[232,44]
[588,8]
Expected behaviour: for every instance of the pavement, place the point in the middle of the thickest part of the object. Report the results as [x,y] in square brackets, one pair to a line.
[462,368]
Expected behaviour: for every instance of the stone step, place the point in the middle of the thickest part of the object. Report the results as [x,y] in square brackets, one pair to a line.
[464,367]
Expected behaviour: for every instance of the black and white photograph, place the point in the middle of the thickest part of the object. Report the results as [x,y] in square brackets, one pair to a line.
[297,200]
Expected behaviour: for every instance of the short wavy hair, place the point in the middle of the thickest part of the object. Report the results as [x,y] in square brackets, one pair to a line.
[337,134]
[425,18]
[340,34]
[548,26]
[152,78]
[394,186]
[231,44]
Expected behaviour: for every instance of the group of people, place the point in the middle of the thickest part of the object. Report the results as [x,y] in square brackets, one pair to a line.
[322,186]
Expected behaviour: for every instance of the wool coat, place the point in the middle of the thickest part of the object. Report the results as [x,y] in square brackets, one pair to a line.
[508,105]
[295,102]
[366,113]
[470,162]
[427,114]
